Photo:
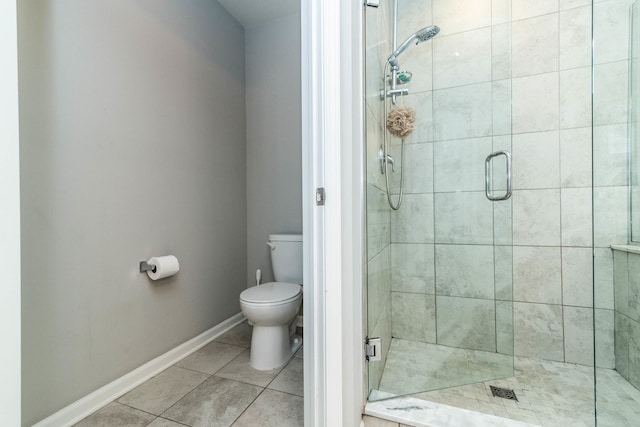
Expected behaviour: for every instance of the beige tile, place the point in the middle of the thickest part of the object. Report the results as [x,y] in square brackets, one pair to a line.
[162,422]
[538,330]
[500,11]
[536,160]
[465,271]
[462,59]
[575,98]
[378,284]
[239,336]
[570,4]
[476,14]
[461,112]
[610,216]
[576,216]
[378,221]
[412,268]
[577,277]
[417,177]
[610,94]
[413,316]
[610,155]
[536,217]
[578,335]
[414,222]
[459,164]
[273,409]
[116,415]
[535,45]
[575,38]
[501,51]
[211,358]
[603,279]
[464,217]
[217,403]
[163,390]
[537,274]
[501,106]
[611,30]
[466,323]
[526,8]
[536,103]
[575,157]
[240,370]
[291,379]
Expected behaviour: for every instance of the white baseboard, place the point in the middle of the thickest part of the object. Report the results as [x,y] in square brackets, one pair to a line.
[81,408]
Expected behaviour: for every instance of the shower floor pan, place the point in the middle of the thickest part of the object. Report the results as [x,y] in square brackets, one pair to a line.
[549,393]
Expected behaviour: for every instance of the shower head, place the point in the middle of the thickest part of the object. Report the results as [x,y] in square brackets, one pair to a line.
[420,36]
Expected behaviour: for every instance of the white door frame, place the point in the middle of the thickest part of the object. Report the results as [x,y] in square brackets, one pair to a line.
[10,391]
[332,133]
[332,117]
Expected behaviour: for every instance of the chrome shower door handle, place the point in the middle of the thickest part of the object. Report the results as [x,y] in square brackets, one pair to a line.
[487,176]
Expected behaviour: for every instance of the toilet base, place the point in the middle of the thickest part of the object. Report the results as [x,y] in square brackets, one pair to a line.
[271,347]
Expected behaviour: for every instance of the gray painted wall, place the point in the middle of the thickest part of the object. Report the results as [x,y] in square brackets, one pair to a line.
[274,148]
[132,145]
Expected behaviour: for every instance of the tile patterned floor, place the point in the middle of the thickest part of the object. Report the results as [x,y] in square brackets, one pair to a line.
[214,386]
[549,393]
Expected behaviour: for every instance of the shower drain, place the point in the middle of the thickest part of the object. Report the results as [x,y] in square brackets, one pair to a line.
[504,393]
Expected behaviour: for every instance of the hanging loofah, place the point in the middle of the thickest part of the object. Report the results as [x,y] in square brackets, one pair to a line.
[401,121]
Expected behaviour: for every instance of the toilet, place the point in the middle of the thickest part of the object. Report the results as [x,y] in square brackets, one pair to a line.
[273,307]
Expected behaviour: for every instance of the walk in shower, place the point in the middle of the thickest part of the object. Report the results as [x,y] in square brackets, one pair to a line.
[500,243]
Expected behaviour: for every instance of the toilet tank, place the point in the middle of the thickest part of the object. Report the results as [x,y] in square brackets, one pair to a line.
[286,257]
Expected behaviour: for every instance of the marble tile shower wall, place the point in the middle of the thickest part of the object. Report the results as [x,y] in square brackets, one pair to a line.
[444,264]
[509,75]
[627,315]
[610,153]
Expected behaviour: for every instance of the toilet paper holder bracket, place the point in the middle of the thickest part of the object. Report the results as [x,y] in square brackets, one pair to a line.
[144,267]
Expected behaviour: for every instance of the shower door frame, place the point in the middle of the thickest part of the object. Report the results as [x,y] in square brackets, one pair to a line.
[332,119]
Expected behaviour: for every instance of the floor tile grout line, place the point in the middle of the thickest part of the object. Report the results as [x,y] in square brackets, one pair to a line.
[221,368]
[185,395]
[173,421]
[123,404]
[247,408]
[285,366]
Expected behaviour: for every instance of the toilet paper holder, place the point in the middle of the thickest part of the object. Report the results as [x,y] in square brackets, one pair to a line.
[144,267]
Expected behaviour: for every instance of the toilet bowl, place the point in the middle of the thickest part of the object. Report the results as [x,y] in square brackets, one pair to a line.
[271,308]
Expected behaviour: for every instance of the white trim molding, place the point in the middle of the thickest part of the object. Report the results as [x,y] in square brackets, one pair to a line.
[332,138]
[312,216]
[10,391]
[81,408]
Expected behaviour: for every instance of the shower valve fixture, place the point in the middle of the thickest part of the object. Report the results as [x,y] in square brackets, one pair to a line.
[393,93]
[398,77]
[384,160]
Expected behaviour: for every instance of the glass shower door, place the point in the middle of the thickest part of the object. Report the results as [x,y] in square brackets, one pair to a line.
[439,268]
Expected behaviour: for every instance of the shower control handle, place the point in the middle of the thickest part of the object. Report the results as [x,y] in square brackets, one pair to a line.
[384,160]
[392,162]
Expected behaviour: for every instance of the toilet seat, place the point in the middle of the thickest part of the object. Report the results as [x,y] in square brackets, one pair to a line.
[271,293]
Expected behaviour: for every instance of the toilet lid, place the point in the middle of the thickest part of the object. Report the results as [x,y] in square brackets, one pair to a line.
[271,292]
